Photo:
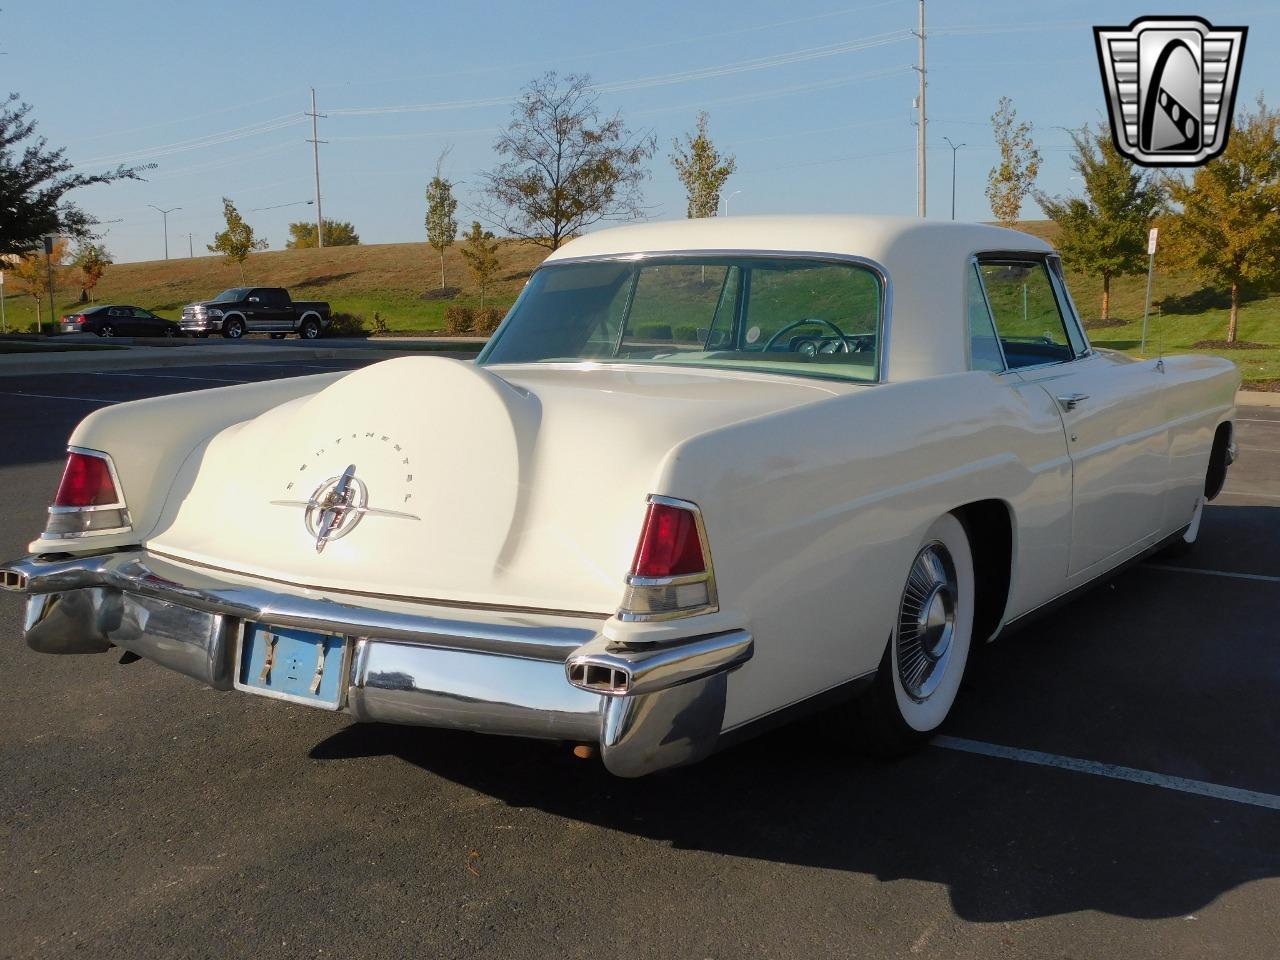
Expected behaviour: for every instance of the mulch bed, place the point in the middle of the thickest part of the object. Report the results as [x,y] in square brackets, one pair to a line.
[1264,386]
[1104,324]
[1238,345]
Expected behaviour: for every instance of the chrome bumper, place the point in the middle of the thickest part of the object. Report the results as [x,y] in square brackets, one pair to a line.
[200,326]
[551,676]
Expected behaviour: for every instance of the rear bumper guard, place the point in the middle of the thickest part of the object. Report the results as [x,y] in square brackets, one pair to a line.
[531,675]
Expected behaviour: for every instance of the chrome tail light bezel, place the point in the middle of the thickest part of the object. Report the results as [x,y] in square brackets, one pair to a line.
[650,599]
[115,515]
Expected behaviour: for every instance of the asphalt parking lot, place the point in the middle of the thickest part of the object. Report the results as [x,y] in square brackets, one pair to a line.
[1109,787]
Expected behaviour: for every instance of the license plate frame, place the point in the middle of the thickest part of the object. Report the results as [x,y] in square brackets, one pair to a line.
[295,661]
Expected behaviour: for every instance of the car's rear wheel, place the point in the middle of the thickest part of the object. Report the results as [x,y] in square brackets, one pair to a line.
[106,330]
[233,329]
[928,649]
[171,331]
[310,329]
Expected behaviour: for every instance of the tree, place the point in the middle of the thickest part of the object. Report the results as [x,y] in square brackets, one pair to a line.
[442,228]
[1226,229]
[1104,234]
[34,182]
[565,168]
[31,273]
[237,241]
[1014,177]
[481,253]
[702,170]
[92,259]
[337,233]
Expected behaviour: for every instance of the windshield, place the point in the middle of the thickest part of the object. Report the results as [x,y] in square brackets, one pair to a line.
[805,317]
[235,293]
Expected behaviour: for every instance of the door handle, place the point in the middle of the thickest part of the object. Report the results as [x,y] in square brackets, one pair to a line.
[1070,401]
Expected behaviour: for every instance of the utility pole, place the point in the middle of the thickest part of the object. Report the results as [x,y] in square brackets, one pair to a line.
[315,154]
[165,214]
[190,252]
[954,147]
[49,240]
[921,120]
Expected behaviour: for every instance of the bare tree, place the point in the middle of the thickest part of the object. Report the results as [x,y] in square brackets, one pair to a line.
[564,167]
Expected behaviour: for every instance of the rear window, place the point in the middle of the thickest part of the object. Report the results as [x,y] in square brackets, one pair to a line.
[799,316]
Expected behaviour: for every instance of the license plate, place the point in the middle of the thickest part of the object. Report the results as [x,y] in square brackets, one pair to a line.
[289,664]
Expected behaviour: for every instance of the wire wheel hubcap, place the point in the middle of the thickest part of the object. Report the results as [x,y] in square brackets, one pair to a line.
[926,622]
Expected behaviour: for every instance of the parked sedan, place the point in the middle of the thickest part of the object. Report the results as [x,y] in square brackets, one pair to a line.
[705,476]
[118,321]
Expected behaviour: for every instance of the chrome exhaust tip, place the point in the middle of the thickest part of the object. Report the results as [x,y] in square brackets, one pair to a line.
[13,580]
[604,678]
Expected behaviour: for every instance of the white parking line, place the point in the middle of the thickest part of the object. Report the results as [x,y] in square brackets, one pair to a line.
[1274,423]
[54,396]
[1199,788]
[1214,573]
[164,376]
[1227,491]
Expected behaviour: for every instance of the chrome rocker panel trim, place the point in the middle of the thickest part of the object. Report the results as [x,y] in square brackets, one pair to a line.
[502,672]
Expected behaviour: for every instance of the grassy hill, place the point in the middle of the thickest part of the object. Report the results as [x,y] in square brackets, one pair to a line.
[401,283]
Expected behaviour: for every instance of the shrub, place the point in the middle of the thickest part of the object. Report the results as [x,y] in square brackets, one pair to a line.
[346,325]
[687,334]
[487,320]
[380,328]
[458,320]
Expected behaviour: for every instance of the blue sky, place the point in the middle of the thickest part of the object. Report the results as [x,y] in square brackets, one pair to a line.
[813,97]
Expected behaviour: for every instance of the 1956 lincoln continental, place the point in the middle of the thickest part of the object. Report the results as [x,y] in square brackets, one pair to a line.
[706,472]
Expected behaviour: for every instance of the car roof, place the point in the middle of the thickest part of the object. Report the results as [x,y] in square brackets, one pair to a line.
[926,262]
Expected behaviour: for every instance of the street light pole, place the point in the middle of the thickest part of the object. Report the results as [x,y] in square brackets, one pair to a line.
[727,199]
[165,214]
[954,148]
[49,240]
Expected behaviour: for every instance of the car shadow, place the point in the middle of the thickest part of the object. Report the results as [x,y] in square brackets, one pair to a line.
[1009,840]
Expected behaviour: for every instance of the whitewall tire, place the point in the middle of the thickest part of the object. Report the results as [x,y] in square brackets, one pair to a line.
[924,661]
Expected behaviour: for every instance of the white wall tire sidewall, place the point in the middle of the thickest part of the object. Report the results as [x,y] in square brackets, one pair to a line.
[929,715]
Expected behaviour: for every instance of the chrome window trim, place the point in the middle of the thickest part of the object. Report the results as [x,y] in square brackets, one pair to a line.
[1042,258]
[877,268]
[973,273]
[708,576]
[1059,279]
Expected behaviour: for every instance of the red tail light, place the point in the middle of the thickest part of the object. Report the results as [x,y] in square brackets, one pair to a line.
[86,482]
[671,573]
[669,544]
[78,318]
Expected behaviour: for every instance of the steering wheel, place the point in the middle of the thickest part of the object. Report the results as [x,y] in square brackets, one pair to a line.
[844,343]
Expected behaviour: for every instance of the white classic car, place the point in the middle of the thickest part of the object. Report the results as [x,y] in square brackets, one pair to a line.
[706,474]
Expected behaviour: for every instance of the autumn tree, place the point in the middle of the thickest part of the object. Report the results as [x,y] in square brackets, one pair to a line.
[1104,233]
[701,169]
[1014,177]
[442,228]
[237,241]
[564,166]
[1225,227]
[337,233]
[92,260]
[35,180]
[31,273]
[480,251]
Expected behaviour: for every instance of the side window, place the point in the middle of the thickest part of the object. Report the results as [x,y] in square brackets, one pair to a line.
[984,348]
[276,297]
[1024,307]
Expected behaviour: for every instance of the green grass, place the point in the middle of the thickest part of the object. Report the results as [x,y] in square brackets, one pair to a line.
[400,283]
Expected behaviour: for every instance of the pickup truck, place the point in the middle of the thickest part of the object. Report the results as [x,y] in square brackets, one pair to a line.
[242,310]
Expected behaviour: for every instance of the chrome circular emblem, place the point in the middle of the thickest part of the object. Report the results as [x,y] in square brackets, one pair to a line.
[336,507]
[926,622]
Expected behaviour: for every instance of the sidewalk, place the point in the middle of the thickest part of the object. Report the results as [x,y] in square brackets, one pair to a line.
[182,353]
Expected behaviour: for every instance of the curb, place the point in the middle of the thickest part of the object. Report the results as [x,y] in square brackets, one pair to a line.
[145,357]
[1257,398]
